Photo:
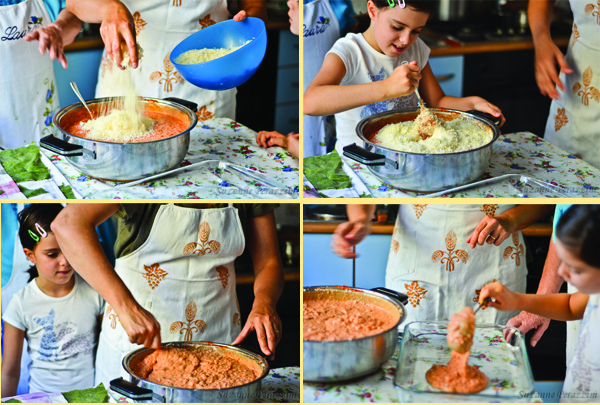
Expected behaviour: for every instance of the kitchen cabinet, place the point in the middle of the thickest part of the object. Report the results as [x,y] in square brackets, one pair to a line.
[323,267]
[83,70]
[287,118]
[448,71]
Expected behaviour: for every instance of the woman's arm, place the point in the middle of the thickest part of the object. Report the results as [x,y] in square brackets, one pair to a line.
[262,243]
[325,96]
[547,54]
[505,224]
[55,36]
[351,233]
[11,359]
[75,231]
[561,307]
[117,25]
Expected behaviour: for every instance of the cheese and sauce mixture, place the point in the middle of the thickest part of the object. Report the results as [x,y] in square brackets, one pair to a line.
[334,319]
[194,368]
[194,56]
[457,375]
[430,134]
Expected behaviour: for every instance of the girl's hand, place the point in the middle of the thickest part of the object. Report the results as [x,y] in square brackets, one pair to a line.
[50,39]
[485,106]
[265,139]
[403,80]
[118,27]
[348,235]
[547,56]
[527,321]
[263,319]
[502,298]
[141,326]
[491,230]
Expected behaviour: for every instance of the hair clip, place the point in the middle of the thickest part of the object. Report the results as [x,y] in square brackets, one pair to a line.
[401,3]
[33,235]
[392,3]
[41,230]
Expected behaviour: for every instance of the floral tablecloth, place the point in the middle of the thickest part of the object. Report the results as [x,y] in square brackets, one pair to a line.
[376,387]
[218,139]
[524,154]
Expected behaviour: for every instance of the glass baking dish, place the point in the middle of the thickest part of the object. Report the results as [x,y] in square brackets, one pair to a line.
[505,363]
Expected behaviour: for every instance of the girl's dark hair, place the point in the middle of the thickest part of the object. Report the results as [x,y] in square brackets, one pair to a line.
[40,214]
[363,21]
[579,230]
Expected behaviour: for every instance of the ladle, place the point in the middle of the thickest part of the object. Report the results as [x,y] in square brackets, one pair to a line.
[78,94]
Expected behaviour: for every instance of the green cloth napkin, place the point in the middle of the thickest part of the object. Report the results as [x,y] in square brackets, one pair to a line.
[90,395]
[24,164]
[325,172]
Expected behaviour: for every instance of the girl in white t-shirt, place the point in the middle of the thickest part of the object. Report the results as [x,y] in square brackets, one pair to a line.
[57,313]
[378,70]
[577,241]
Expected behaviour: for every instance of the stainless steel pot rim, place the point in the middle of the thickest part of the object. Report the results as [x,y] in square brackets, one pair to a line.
[259,359]
[493,127]
[63,111]
[359,290]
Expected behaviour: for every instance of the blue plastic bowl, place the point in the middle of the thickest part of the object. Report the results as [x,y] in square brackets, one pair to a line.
[233,69]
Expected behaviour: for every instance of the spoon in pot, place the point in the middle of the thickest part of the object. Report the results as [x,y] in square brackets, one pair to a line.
[78,94]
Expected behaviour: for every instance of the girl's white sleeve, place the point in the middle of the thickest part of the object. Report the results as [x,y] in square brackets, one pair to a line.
[348,52]
[13,313]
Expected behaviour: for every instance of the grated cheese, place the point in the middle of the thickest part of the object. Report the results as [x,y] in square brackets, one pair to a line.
[458,135]
[119,126]
[194,56]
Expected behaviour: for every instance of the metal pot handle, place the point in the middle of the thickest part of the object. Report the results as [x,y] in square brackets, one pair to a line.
[132,391]
[189,104]
[361,155]
[64,148]
[398,296]
[495,120]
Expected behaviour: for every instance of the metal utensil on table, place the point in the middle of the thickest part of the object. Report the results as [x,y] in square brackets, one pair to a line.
[78,94]
[524,179]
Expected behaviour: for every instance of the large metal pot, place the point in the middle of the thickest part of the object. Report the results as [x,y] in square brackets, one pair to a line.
[140,389]
[123,161]
[328,361]
[418,171]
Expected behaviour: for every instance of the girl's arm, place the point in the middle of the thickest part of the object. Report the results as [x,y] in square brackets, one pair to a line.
[55,36]
[434,97]
[11,359]
[561,307]
[75,231]
[325,96]
[263,246]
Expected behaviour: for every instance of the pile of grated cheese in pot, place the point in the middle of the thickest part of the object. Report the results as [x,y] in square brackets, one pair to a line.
[458,135]
[194,56]
[122,120]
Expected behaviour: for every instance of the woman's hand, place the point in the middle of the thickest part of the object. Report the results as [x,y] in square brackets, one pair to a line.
[501,297]
[118,28]
[50,39]
[547,56]
[403,80]
[491,230]
[348,235]
[527,321]
[485,106]
[140,325]
[263,319]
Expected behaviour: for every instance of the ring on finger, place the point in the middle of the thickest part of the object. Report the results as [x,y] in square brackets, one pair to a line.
[492,236]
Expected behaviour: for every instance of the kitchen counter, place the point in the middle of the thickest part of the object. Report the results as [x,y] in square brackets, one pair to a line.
[328,227]
[490,46]
[379,387]
[522,165]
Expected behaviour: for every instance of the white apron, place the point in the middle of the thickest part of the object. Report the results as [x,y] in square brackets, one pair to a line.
[28,96]
[432,263]
[319,32]
[184,275]
[573,120]
[582,381]
[160,25]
